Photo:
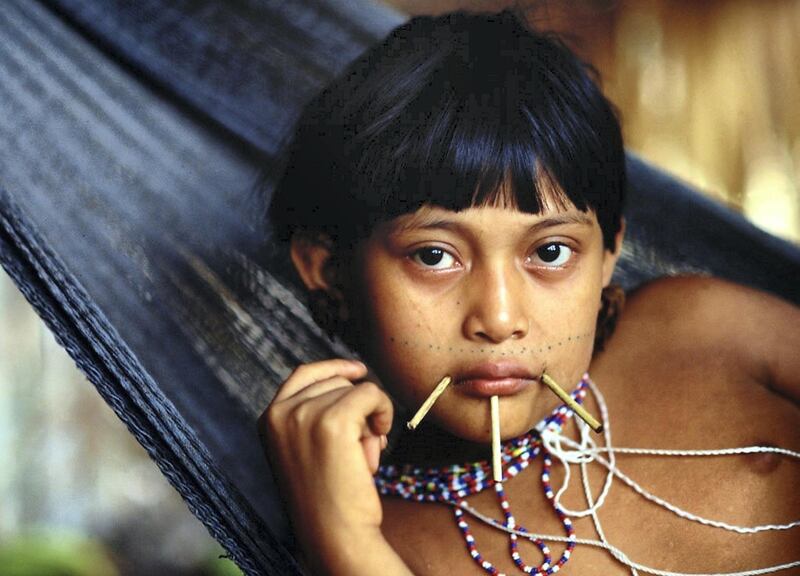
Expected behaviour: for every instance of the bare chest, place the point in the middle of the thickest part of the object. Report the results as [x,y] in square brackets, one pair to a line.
[692,408]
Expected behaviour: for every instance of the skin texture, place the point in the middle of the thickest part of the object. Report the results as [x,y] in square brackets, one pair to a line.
[694,363]
[319,415]
[491,298]
[494,294]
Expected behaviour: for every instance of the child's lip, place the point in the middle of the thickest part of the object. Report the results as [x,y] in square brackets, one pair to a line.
[495,378]
[497,370]
[485,388]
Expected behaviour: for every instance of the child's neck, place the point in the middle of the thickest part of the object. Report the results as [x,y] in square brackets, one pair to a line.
[430,446]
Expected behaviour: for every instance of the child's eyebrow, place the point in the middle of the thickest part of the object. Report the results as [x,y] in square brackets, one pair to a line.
[570,218]
[437,222]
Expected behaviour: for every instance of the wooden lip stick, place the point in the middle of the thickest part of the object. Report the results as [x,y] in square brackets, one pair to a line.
[497,465]
[548,381]
[428,404]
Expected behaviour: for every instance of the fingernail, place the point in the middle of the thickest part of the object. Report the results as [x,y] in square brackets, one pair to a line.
[384,441]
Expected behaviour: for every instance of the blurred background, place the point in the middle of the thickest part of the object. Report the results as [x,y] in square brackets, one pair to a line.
[707,90]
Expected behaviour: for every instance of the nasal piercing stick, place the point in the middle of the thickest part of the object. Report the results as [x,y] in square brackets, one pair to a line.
[497,466]
[571,404]
[428,404]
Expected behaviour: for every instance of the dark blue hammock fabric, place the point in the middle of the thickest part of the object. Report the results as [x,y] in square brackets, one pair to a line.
[131,137]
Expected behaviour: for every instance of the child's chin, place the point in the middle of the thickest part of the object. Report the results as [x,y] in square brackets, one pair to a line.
[481,435]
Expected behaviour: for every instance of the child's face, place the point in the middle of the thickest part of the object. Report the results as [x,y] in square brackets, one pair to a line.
[489,296]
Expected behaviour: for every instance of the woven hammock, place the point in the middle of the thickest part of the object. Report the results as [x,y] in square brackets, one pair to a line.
[132,135]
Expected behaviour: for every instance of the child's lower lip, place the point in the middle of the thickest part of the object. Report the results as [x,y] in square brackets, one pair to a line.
[484,388]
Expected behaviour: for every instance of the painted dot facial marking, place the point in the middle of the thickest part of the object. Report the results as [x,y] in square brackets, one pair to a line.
[482,351]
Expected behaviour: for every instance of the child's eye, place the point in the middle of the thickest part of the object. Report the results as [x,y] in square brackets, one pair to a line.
[434,258]
[552,255]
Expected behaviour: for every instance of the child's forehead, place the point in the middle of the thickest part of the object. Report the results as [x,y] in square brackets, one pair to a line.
[437,217]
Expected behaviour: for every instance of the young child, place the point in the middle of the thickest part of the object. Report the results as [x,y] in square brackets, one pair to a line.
[453,205]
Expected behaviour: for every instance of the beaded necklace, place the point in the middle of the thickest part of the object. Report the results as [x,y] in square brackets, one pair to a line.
[452,484]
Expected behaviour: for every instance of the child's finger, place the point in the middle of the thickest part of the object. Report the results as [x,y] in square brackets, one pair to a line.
[354,412]
[302,408]
[334,407]
[369,402]
[364,409]
[373,445]
[308,374]
[317,389]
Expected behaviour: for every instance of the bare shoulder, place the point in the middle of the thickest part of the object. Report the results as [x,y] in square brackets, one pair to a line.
[709,306]
[750,326]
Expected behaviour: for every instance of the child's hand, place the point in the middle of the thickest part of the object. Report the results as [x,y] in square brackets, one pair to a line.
[323,436]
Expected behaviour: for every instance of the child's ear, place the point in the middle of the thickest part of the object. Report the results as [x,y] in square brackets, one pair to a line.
[610,258]
[312,256]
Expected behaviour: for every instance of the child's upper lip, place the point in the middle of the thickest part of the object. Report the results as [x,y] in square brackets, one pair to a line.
[497,371]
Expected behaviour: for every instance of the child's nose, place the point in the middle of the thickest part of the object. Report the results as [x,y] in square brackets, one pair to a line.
[497,306]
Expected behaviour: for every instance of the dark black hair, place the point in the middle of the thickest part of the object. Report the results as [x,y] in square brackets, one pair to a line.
[452,111]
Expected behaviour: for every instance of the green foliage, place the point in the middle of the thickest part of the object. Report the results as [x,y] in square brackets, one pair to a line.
[220,565]
[55,554]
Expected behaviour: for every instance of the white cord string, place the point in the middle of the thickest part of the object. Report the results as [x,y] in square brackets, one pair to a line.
[581,454]
[585,476]
[616,552]
[717,452]
[587,451]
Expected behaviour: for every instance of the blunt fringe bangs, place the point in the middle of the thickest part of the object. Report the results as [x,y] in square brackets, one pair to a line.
[454,111]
